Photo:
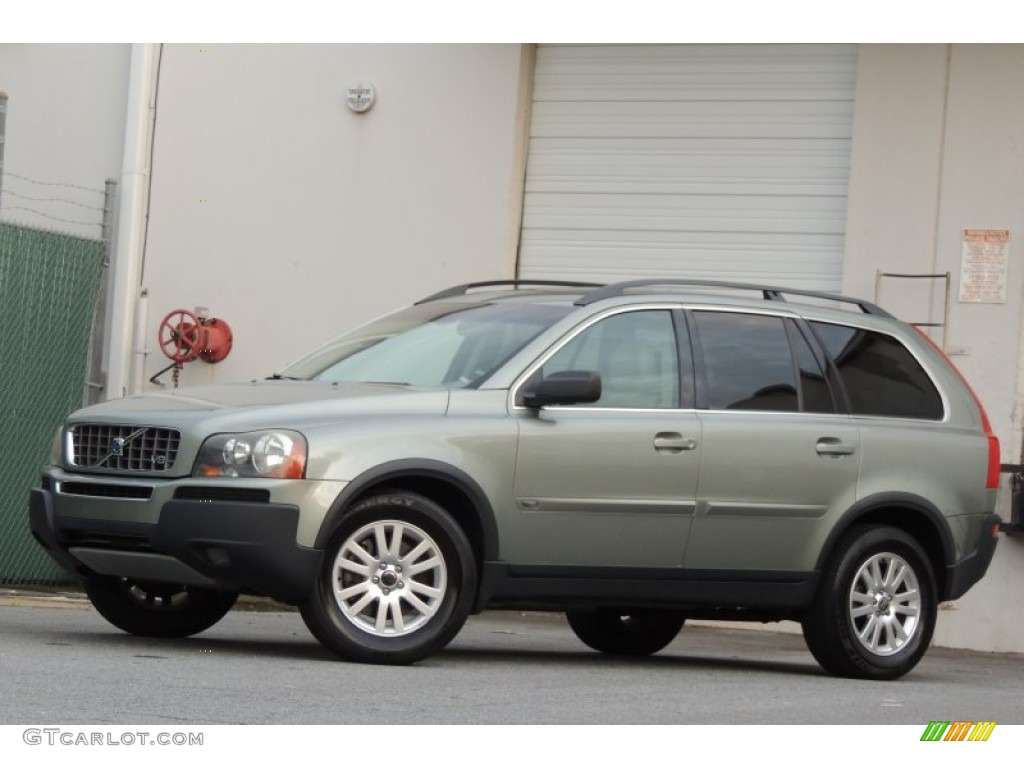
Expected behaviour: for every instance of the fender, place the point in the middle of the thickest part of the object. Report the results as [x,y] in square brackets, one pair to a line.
[424,468]
[878,501]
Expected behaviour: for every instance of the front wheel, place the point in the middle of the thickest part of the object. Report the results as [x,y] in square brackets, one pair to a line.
[397,583]
[876,607]
[152,609]
[626,633]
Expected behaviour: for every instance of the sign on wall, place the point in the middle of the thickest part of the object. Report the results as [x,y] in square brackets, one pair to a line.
[983,266]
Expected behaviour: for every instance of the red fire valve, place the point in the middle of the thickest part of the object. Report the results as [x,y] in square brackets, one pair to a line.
[183,337]
[216,340]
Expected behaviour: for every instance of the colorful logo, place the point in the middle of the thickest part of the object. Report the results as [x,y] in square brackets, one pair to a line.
[958,730]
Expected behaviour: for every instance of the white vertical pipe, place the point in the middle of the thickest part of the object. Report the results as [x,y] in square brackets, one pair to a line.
[3,135]
[132,213]
[139,351]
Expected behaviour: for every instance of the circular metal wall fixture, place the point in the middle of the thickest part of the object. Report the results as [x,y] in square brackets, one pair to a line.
[360,97]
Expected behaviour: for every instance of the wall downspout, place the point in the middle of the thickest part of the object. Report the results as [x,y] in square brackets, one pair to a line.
[125,291]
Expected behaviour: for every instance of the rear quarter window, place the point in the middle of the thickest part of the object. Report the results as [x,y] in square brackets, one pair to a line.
[881,376]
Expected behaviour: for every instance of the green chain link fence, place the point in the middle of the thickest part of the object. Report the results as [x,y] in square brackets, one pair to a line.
[48,289]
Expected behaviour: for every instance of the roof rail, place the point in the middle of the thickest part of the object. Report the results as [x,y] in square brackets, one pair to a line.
[770,293]
[460,290]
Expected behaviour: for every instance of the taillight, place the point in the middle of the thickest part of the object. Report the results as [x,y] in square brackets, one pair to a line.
[992,479]
[992,475]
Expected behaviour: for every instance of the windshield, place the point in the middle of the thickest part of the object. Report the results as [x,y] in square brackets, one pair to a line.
[430,345]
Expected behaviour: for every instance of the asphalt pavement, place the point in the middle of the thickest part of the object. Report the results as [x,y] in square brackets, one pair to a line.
[60,662]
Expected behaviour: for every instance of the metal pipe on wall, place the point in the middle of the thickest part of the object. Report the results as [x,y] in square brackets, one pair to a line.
[3,138]
[132,215]
[140,348]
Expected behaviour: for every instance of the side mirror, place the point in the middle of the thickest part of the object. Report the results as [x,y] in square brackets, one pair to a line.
[564,388]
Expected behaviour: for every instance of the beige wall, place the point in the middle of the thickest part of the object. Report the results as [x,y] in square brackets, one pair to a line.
[939,148]
[293,218]
[65,125]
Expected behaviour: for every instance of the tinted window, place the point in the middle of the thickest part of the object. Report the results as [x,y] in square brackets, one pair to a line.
[747,361]
[816,394]
[881,376]
[635,353]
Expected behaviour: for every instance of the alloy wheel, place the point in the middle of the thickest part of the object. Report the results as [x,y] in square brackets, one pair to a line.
[389,578]
[885,603]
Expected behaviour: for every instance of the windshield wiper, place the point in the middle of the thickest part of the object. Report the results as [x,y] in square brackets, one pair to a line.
[279,377]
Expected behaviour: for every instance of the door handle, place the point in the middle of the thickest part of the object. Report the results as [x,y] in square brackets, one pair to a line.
[833,446]
[673,442]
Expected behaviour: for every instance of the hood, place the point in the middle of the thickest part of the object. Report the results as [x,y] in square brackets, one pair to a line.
[265,403]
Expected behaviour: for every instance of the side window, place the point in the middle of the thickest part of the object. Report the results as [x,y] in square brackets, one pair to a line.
[881,376]
[747,361]
[814,388]
[635,353]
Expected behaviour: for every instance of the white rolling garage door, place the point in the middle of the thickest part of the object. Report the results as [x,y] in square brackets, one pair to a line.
[697,161]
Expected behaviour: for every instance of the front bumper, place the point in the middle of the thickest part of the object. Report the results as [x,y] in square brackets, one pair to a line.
[219,544]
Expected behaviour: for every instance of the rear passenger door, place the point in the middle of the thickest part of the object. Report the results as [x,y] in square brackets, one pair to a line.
[780,455]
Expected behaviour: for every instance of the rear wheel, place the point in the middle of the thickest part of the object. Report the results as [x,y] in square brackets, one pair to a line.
[875,611]
[626,633]
[153,609]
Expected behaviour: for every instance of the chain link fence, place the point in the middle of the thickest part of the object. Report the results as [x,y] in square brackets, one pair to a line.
[49,285]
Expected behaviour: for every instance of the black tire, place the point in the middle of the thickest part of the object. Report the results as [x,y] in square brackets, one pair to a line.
[882,634]
[626,633]
[152,609]
[398,603]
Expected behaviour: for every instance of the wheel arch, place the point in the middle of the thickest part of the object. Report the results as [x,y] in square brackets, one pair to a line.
[912,514]
[442,483]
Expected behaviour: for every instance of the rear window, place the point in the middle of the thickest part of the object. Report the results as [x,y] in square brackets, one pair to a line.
[881,376]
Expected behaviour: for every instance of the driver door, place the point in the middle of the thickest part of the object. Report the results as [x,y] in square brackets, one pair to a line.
[612,483]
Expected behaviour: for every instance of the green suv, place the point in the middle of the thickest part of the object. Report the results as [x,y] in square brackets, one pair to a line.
[632,454]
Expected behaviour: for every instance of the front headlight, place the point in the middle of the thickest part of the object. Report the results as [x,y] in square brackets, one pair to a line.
[267,453]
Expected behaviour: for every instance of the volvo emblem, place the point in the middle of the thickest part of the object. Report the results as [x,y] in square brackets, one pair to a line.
[116,447]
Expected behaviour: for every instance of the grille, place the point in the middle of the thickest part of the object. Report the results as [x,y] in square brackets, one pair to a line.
[125,448]
[106,491]
[104,540]
[217,493]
